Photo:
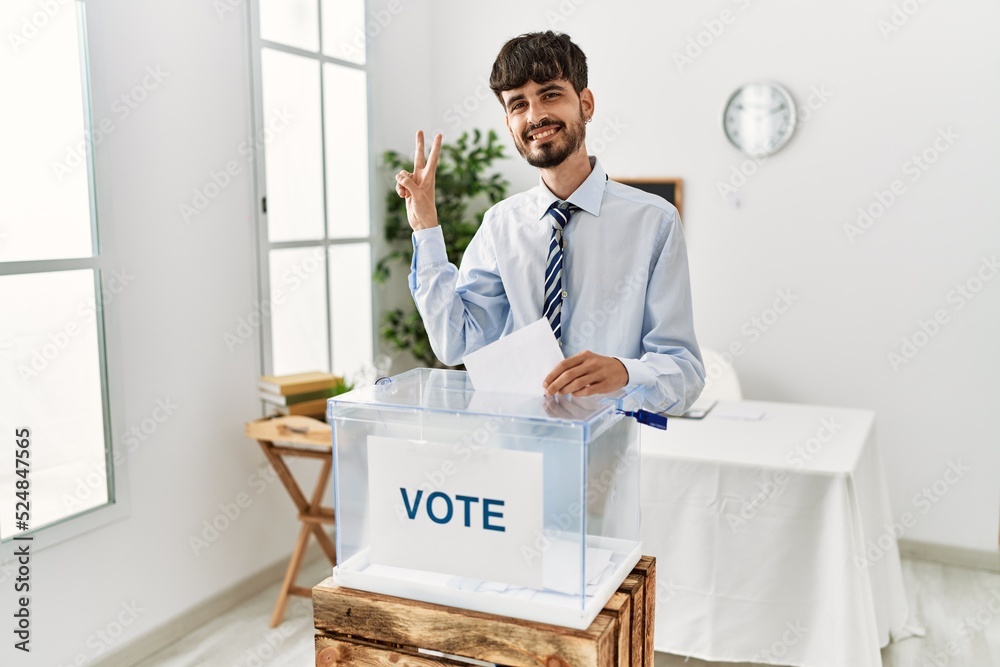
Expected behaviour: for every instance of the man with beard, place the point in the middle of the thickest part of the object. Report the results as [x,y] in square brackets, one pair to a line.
[605,263]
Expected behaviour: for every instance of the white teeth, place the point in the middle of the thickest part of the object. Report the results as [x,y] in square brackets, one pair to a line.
[546,133]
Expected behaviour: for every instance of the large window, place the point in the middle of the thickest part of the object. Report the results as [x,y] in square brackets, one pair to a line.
[314,171]
[52,298]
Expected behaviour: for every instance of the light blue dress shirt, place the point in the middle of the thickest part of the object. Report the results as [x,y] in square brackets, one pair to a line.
[627,292]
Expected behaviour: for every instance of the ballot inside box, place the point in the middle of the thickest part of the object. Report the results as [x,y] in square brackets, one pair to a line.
[523,506]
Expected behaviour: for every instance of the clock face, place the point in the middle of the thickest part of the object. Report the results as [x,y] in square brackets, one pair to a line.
[759,118]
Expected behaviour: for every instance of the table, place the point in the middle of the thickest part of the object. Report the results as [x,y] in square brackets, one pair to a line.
[361,628]
[773,536]
[299,437]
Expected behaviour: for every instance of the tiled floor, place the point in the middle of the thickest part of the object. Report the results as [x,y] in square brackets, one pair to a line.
[941,598]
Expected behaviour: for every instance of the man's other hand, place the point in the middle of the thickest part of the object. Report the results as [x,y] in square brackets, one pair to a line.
[586,374]
[418,188]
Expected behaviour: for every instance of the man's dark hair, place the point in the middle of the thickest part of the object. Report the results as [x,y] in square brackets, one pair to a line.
[540,57]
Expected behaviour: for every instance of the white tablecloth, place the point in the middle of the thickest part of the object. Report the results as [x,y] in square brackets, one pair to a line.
[761,532]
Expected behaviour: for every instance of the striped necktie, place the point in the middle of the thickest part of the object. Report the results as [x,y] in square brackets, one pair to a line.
[560,213]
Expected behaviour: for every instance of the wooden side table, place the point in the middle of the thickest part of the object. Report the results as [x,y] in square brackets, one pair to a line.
[302,437]
[359,628]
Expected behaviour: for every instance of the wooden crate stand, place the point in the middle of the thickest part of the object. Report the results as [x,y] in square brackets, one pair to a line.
[359,628]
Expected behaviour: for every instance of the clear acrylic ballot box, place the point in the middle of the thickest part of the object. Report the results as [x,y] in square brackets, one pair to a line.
[520,506]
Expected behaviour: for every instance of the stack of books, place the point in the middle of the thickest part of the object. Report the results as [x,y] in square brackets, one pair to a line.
[299,394]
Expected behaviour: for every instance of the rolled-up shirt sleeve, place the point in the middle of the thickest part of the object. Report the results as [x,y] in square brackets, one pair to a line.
[670,373]
[462,309]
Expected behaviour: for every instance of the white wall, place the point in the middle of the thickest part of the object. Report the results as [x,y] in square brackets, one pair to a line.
[192,281]
[888,98]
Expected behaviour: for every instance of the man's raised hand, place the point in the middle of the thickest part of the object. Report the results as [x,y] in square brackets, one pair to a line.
[418,188]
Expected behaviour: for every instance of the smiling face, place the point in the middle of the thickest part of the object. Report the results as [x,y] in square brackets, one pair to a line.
[546,120]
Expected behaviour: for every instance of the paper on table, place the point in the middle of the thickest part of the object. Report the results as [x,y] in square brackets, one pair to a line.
[561,566]
[561,581]
[406,574]
[736,411]
[517,363]
[595,582]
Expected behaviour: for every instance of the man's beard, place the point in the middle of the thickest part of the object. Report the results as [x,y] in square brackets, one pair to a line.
[553,153]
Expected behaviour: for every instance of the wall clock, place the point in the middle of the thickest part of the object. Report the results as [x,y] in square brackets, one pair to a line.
[759,118]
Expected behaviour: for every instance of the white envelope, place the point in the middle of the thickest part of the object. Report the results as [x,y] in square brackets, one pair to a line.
[517,363]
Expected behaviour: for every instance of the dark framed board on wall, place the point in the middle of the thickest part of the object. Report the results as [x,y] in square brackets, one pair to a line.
[671,189]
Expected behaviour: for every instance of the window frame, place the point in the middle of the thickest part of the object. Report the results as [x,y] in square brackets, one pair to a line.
[117,505]
[264,244]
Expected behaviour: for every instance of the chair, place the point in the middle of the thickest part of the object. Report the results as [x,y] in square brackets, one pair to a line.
[299,437]
[721,381]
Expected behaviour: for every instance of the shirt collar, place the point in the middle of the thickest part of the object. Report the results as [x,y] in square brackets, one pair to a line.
[588,196]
